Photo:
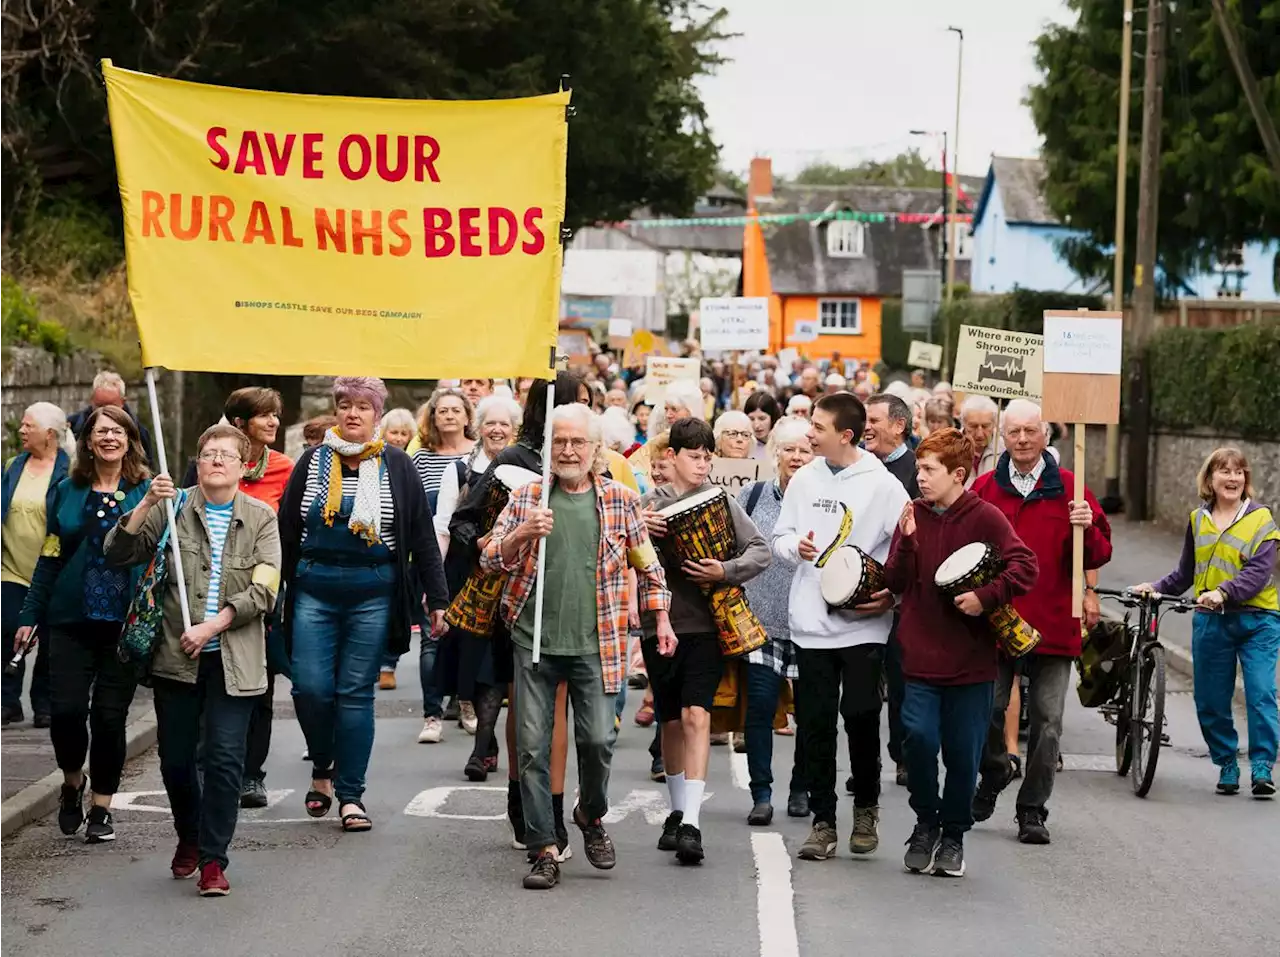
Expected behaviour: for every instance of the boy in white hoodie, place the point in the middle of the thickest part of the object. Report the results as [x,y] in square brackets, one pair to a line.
[843,497]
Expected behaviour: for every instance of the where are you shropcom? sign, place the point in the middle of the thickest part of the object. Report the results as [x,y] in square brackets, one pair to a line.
[335,235]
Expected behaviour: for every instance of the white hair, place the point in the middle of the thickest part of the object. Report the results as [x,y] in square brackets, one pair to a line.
[797,403]
[106,379]
[789,428]
[731,419]
[943,386]
[48,416]
[617,429]
[578,414]
[899,389]
[502,391]
[980,404]
[686,394]
[399,419]
[499,403]
[1020,409]
[835,381]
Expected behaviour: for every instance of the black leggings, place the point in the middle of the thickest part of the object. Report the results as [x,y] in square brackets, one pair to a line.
[90,691]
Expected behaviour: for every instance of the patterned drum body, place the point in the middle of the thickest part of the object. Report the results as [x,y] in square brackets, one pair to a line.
[973,566]
[850,577]
[701,526]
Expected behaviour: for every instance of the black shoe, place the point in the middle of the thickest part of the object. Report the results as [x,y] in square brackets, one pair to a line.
[42,720]
[1263,787]
[761,815]
[657,771]
[515,815]
[475,769]
[638,681]
[253,793]
[798,804]
[900,776]
[984,799]
[13,715]
[99,829]
[544,875]
[1031,828]
[453,711]
[670,827]
[689,845]
[71,807]
[600,851]
[949,861]
[848,784]
[922,848]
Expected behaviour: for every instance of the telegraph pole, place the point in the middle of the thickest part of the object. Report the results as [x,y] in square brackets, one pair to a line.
[1266,125]
[1144,279]
[950,224]
[1111,498]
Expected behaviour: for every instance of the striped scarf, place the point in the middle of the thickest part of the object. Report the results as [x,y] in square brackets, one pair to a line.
[367,511]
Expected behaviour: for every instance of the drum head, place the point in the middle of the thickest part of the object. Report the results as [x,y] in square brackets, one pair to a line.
[961,562]
[841,575]
[691,502]
[514,477]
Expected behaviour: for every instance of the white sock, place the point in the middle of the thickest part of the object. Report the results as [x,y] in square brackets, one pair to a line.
[675,790]
[693,801]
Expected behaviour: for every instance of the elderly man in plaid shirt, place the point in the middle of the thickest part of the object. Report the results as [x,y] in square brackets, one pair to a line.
[594,533]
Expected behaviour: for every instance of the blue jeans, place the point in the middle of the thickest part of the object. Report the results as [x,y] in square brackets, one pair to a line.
[389,662]
[428,650]
[952,718]
[12,595]
[340,621]
[1217,641]
[202,735]
[763,688]
[592,737]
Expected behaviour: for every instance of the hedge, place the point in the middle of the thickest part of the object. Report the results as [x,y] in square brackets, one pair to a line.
[1227,380]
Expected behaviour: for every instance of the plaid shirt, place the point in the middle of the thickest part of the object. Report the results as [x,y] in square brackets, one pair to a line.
[778,655]
[624,541]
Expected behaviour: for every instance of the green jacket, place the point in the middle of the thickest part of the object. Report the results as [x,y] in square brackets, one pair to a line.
[250,579]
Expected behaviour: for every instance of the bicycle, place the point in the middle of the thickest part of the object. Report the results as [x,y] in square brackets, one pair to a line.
[1137,708]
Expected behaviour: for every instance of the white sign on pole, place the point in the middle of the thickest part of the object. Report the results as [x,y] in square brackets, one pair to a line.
[661,371]
[610,272]
[924,355]
[805,330]
[619,328]
[734,323]
[1091,345]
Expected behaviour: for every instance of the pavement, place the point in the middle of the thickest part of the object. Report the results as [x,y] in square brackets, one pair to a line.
[1182,872]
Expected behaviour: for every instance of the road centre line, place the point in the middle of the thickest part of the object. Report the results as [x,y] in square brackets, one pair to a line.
[775,899]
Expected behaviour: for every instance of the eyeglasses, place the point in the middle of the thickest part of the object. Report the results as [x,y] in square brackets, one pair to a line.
[576,444]
[217,455]
[110,434]
[735,434]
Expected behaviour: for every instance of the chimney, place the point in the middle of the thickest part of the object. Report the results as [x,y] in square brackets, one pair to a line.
[759,180]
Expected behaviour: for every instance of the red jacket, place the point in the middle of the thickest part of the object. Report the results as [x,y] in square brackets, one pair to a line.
[941,644]
[1042,520]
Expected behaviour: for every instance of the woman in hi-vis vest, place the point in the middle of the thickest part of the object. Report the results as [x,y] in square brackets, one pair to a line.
[1228,556]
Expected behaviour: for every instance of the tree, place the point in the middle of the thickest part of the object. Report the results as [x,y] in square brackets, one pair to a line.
[908,168]
[1217,191]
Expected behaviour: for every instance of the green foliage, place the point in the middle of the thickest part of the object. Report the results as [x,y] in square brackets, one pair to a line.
[69,237]
[1217,191]
[1219,379]
[1019,311]
[906,169]
[21,323]
[894,342]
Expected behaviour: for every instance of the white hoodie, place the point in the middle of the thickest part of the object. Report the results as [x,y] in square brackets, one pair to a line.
[813,503]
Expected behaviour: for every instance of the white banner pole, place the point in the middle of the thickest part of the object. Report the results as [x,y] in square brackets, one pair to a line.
[162,461]
[542,542]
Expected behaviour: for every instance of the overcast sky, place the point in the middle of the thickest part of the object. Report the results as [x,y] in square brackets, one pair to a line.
[844,80]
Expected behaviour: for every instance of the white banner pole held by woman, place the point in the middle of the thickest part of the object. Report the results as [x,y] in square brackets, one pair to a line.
[542,542]
[162,461]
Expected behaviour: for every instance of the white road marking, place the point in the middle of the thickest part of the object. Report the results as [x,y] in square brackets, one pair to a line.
[775,900]
[129,801]
[738,766]
[429,802]
[650,802]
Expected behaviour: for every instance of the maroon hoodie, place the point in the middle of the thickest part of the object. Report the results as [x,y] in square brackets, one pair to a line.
[941,644]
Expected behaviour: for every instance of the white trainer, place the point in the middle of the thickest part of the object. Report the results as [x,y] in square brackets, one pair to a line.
[432,731]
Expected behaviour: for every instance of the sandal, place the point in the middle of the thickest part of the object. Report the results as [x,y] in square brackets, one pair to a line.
[354,821]
[646,716]
[318,803]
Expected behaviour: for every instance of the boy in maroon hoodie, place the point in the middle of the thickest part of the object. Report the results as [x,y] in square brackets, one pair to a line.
[949,657]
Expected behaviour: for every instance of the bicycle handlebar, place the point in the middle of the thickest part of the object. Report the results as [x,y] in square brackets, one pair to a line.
[1134,599]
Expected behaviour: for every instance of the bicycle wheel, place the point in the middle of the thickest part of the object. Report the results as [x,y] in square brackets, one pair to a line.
[1148,731]
[1124,740]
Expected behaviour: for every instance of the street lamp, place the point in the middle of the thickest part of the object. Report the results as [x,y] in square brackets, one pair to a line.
[955,165]
[942,263]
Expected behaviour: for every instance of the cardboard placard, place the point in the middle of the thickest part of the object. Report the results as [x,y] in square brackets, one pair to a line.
[999,363]
[661,371]
[804,330]
[574,343]
[785,359]
[619,333]
[924,355]
[732,323]
[735,474]
[1090,397]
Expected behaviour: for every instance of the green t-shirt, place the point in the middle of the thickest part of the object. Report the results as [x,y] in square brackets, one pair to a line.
[569,610]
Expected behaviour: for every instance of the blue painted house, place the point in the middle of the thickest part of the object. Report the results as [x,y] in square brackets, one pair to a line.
[1015,243]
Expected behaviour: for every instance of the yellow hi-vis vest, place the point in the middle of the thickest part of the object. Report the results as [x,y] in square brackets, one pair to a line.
[1221,555]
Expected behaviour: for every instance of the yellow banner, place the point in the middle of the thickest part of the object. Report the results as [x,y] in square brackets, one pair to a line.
[319,235]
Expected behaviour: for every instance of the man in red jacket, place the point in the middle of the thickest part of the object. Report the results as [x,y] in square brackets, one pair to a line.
[1034,494]
[949,657]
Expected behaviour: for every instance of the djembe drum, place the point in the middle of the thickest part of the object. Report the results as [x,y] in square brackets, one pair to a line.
[850,577]
[973,566]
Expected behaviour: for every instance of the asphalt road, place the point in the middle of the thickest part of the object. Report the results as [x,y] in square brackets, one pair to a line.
[1183,872]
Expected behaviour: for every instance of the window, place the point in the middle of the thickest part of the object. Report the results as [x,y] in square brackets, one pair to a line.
[845,238]
[840,317]
[964,242]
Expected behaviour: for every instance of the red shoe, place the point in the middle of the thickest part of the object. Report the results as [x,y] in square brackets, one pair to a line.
[213,883]
[646,716]
[186,861]
[491,763]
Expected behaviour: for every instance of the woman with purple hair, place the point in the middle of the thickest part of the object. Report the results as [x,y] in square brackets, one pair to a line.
[359,555]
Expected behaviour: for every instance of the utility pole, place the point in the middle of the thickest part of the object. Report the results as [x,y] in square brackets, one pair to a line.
[1266,125]
[1111,498]
[1144,269]
[951,217]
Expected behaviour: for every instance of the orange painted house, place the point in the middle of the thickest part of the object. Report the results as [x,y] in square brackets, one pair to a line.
[832,271]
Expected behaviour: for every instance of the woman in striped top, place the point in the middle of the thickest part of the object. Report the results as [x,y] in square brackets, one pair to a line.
[359,553]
